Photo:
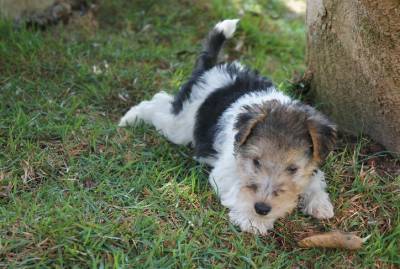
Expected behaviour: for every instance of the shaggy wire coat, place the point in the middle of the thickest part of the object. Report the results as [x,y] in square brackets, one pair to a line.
[264,147]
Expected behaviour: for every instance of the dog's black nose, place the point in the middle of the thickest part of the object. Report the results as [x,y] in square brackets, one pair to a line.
[262,208]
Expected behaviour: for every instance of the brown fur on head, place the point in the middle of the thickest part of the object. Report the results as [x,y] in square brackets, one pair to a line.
[278,148]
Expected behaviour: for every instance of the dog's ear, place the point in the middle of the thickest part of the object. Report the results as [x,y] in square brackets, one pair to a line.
[323,135]
[247,120]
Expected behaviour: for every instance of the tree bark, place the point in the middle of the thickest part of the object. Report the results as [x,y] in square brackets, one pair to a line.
[353,55]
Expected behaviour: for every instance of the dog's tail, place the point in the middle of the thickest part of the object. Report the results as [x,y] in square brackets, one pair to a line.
[207,59]
[214,43]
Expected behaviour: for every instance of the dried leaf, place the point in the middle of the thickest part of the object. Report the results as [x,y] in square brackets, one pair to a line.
[333,240]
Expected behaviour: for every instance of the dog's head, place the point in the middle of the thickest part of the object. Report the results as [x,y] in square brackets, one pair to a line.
[277,149]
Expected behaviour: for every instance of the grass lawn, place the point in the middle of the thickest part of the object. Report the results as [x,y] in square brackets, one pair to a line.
[76,191]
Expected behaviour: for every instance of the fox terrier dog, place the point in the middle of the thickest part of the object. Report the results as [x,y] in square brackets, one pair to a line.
[264,147]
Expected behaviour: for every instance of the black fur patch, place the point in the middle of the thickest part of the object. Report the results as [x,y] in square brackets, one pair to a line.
[216,103]
[248,119]
[288,126]
[205,61]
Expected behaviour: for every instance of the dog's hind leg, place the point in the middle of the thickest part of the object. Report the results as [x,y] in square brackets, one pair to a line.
[149,111]
[158,112]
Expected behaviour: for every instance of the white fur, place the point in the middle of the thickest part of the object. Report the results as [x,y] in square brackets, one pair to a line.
[178,128]
[224,176]
[224,142]
[315,200]
[225,139]
[224,180]
[227,27]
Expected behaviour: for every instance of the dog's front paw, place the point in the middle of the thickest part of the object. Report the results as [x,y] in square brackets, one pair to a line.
[319,206]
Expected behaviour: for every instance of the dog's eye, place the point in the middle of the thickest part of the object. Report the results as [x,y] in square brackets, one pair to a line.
[256,163]
[277,192]
[292,169]
[252,187]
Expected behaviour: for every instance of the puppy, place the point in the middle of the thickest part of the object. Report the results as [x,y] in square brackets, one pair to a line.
[264,148]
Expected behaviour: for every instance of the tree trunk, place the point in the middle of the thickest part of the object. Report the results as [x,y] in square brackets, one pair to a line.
[354,59]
